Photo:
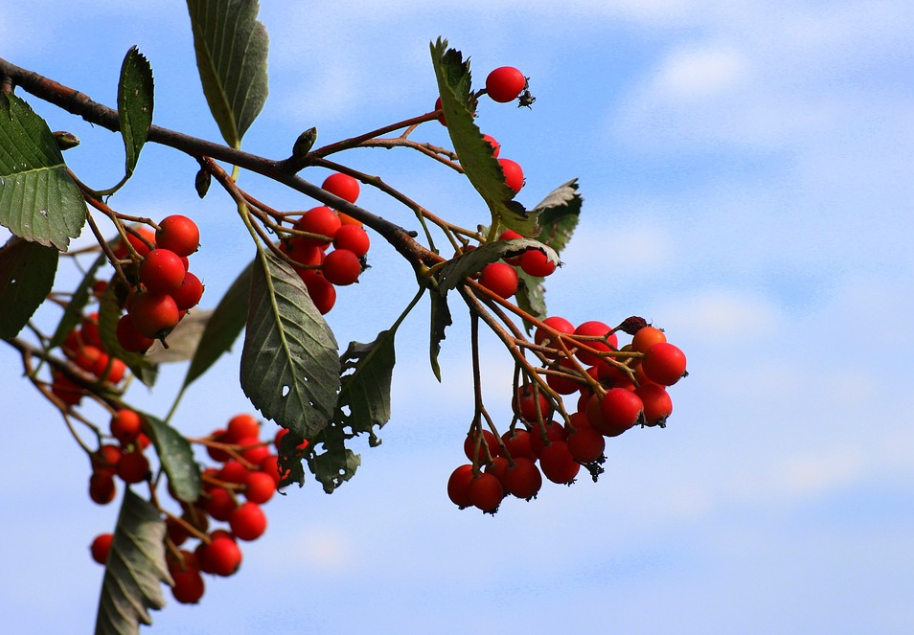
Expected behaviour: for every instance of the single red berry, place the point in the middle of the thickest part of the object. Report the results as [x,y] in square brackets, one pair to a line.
[517,442]
[242,426]
[486,492]
[100,547]
[658,405]
[557,323]
[646,337]
[354,238]
[496,147]
[586,445]
[595,329]
[233,472]
[105,459]
[525,406]
[342,185]
[89,330]
[321,291]
[536,263]
[218,454]
[219,503]
[510,234]
[139,245]
[620,409]
[523,479]
[562,384]
[130,339]
[260,486]
[162,271]
[133,467]
[102,488]
[126,425]
[178,234]
[505,84]
[248,522]
[319,220]
[558,464]
[188,295]
[154,314]
[441,118]
[664,363]
[253,450]
[342,267]
[500,278]
[221,556]
[514,174]
[554,432]
[458,485]
[469,446]
[188,585]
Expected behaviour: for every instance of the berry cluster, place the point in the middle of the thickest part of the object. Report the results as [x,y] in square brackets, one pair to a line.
[84,348]
[165,290]
[617,388]
[501,278]
[321,268]
[233,493]
[503,85]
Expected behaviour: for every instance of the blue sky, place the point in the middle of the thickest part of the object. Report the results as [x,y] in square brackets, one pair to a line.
[746,174]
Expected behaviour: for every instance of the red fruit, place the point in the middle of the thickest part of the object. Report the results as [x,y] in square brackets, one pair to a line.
[254,450]
[162,271]
[595,329]
[319,220]
[100,547]
[101,488]
[523,479]
[586,445]
[443,122]
[505,84]
[217,454]
[514,174]
[342,185]
[89,330]
[620,409]
[188,295]
[130,339]
[260,486]
[321,291]
[664,363]
[535,263]
[68,391]
[497,468]
[510,234]
[458,485]
[105,460]
[657,404]
[496,147]
[248,522]
[220,503]
[646,337]
[178,234]
[558,464]
[242,426]
[353,238]
[500,278]
[469,446]
[485,492]
[133,467]
[270,467]
[517,442]
[554,432]
[221,556]
[139,245]
[189,586]
[526,407]
[126,425]
[233,472]
[342,267]
[561,384]
[560,324]
[154,314]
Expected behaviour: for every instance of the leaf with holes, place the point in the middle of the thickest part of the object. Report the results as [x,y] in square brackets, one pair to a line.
[231,47]
[290,365]
[135,569]
[39,201]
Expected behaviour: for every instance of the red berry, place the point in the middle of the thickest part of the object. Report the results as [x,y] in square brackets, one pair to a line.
[554,432]
[126,425]
[496,147]
[558,464]
[517,442]
[523,479]
[557,323]
[586,445]
[500,278]
[486,492]
[248,522]
[100,547]
[505,84]
[321,291]
[162,271]
[562,384]
[154,314]
[664,363]
[657,404]
[133,467]
[353,238]
[343,185]
[535,263]
[441,118]
[242,426]
[646,337]
[178,234]
[130,339]
[469,446]
[188,295]
[595,329]
[189,586]
[260,486]
[254,451]
[526,407]
[514,174]
[101,488]
[342,267]
[319,220]
[221,556]
[219,503]
[620,409]
[458,485]
[105,460]
[139,245]
[233,472]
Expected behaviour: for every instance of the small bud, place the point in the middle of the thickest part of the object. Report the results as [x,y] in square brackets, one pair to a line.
[65,140]
[202,181]
[304,143]
[632,324]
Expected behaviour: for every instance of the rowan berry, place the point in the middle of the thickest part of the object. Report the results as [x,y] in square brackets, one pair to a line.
[342,185]
[505,84]
[178,234]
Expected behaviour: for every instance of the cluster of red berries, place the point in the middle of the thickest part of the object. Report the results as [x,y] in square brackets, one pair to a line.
[165,289]
[84,348]
[233,493]
[502,279]
[624,387]
[503,85]
[322,270]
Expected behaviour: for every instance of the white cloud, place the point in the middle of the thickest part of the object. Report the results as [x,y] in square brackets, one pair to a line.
[722,315]
[815,474]
[700,73]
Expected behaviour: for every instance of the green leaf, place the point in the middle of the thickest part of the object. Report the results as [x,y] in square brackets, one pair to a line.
[223,328]
[134,104]
[39,201]
[457,269]
[177,458]
[440,320]
[27,273]
[134,571]
[531,297]
[290,369]
[231,47]
[109,312]
[337,464]
[480,167]
[72,315]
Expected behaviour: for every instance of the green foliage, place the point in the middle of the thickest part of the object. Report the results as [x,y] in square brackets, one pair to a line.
[480,167]
[231,47]
[39,201]
[135,104]
[134,571]
[289,365]
[27,273]
[177,458]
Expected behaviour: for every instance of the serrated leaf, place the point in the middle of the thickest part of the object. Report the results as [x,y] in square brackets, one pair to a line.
[231,47]
[27,272]
[480,167]
[72,315]
[337,463]
[224,325]
[558,215]
[39,201]
[457,269]
[290,368]
[135,104]
[109,312]
[367,372]
[440,320]
[177,458]
[135,569]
